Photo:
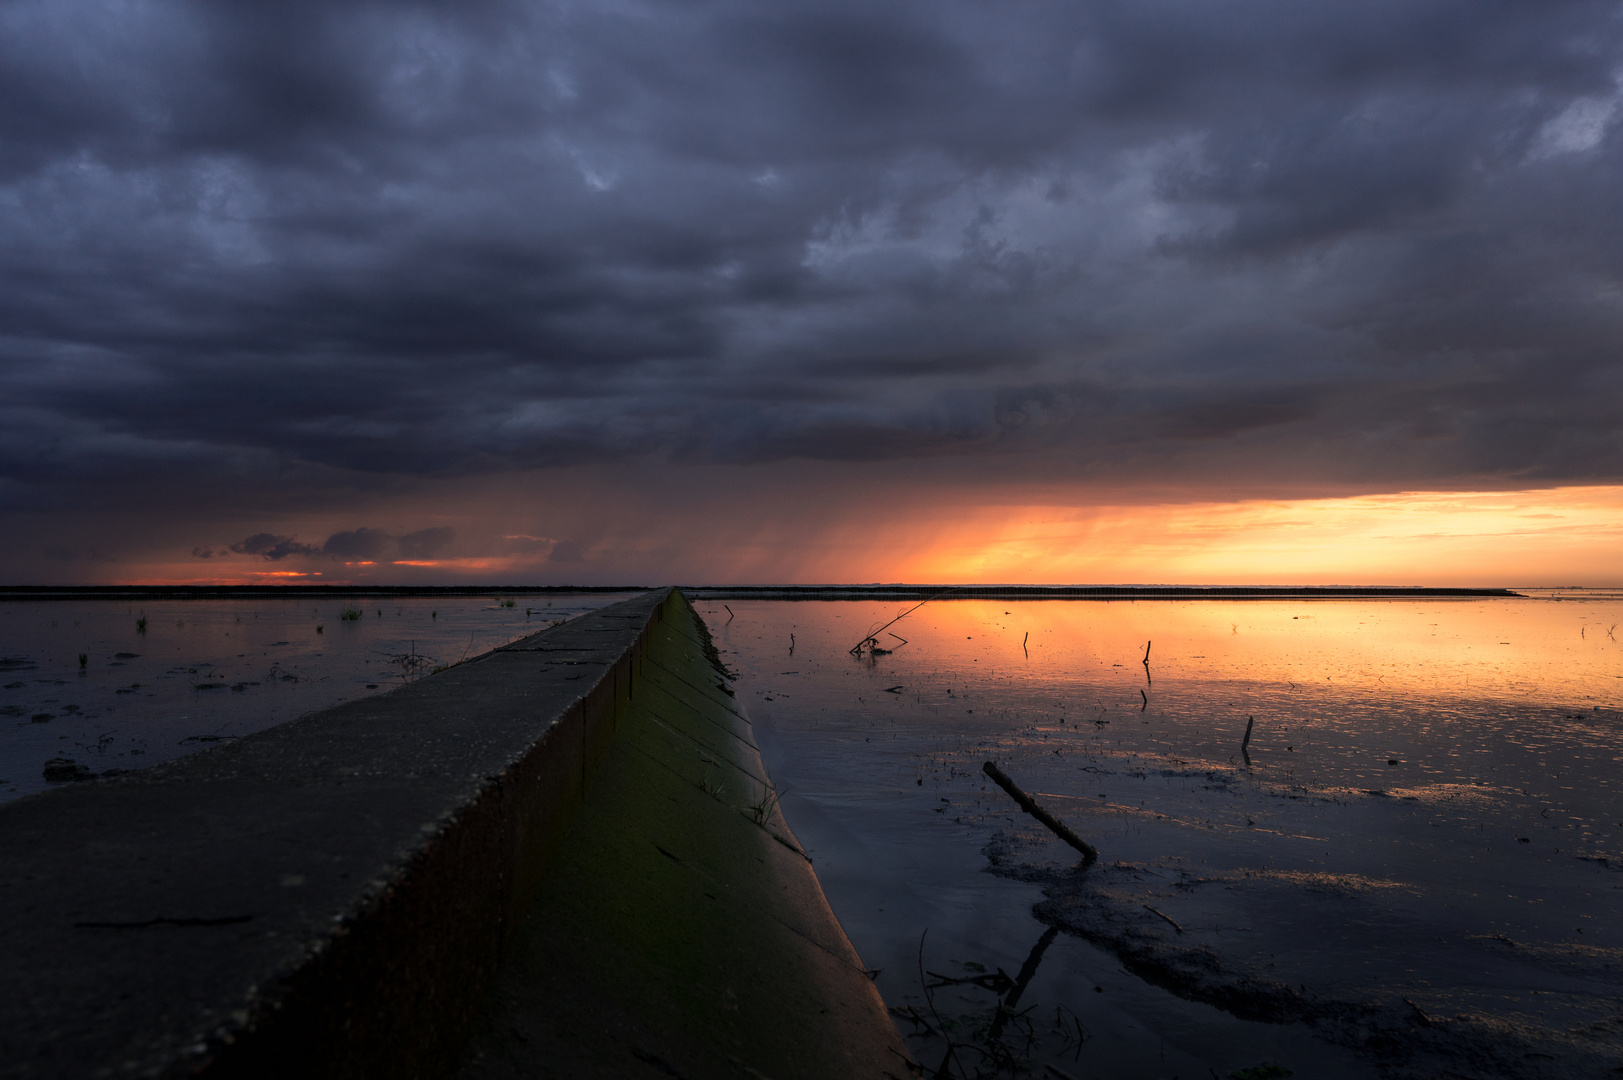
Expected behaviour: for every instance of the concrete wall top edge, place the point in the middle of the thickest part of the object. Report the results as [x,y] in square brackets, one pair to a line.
[150,916]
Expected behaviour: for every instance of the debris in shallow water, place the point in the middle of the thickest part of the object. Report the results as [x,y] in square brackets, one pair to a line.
[62,770]
[1420,1015]
[1262,1072]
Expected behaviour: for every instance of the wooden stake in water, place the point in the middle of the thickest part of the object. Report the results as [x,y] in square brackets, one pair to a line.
[1090,854]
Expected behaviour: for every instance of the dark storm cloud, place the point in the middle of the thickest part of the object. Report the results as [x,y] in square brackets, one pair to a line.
[289,247]
[426,543]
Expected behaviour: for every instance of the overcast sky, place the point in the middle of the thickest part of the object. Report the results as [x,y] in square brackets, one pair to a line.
[296,282]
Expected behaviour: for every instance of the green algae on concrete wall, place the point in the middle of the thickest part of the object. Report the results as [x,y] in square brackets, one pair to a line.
[680,931]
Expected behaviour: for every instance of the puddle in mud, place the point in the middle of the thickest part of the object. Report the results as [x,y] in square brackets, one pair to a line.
[200,672]
[1420,872]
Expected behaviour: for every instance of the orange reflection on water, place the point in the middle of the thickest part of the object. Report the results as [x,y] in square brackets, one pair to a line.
[1497,648]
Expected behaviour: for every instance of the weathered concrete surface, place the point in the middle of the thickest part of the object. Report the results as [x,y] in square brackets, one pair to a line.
[331,897]
[681,932]
[327,897]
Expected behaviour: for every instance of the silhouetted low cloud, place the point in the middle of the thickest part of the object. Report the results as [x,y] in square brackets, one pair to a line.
[357,544]
[278,255]
[567,551]
[273,548]
[350,544]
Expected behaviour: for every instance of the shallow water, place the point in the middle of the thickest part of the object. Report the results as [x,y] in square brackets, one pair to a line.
[1420,870]
[203,671]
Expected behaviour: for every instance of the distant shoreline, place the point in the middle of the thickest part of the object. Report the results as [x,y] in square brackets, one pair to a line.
[1078,592]
[287,592]
[757,592]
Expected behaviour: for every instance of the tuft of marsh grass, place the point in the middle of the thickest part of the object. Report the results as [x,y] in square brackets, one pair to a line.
[712,785]
[761,812]
[350,614]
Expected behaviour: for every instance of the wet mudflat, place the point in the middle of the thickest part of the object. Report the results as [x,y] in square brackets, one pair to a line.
[166,679]
[1418,872]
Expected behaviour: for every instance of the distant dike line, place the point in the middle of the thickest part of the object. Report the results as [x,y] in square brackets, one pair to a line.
[755,592]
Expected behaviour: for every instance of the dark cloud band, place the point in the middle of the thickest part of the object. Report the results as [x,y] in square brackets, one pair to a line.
[351,544]
[302,243]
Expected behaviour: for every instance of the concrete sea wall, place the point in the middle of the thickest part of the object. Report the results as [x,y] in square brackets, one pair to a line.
[451,878]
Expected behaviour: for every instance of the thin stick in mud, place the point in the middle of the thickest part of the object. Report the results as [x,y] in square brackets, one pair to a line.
[1090,854]
[1246,742]
[1164,915]
[929,999]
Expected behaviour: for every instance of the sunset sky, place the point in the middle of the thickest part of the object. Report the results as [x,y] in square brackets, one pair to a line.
[623,292]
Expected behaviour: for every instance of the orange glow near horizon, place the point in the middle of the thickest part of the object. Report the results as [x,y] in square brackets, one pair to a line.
[1561,536]
[501,563]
